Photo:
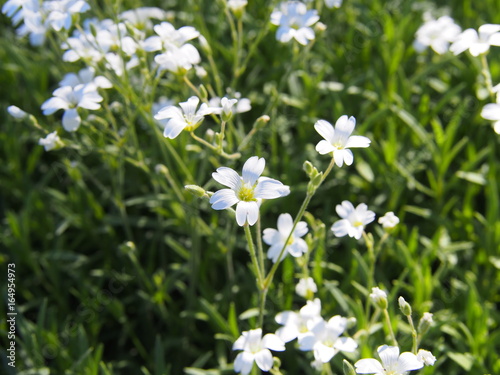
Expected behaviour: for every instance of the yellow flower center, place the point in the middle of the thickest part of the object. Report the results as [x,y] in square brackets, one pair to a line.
[357,224]
[290,241]
[245,194]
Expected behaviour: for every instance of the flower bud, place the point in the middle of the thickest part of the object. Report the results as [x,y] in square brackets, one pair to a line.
[348,368]
[196,190]
[308,167]
[379,298]
[425,323]
[404,306]
[261,122]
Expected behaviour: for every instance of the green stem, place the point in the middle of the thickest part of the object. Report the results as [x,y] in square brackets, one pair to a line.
[260,250]
[487,76]
[389,325]
[251,247]
[221,136]
[299,216]
[413,334]
[262,305]
[212,147]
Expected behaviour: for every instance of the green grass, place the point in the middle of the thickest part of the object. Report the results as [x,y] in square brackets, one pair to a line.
[121,271]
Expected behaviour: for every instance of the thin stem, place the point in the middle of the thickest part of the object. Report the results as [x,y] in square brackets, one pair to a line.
[389,325]
[413,334]
[212,147]
[260,250]
[487,76]
[299,216]
[251,247]
[221,136]
[262,305]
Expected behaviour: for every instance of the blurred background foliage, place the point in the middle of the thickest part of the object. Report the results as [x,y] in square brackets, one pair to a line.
[120,273]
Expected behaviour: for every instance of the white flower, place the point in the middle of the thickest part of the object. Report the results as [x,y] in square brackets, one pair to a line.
[353,219]
[186,117]
[324,339]
[162,102]
[426,357]
[70,98]
[305,287]
[492,112]
[256,349]
[294,21]
[141,17]
[85,76]
[437,34]
[477,44]
[16,112]
[49,142]
[169,37]
[242,104]
[297,325]
[178,59]
[246,191]
[389,220]
[333,3]
[339,139]
[296,246]
[379,297]
[60,12]
[236,5]
[392,362]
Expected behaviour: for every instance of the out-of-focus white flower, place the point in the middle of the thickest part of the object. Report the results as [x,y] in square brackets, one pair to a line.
[70,98]
[16,112]
[242,105]
[389,220]
[477,43]
[246,191]
[297,325]
[178,59]
[186,117]
[294,21]
[296,246]
[50,141]
[392,362]
[60,12]
[167,37]
[353,219]
[141,17]
[305,287]
[426,357]
[339,139]
[236,5]
[379,297]
[116,63]
[85,76]
[333,3]
[492,112]
[437,34]
[325,340]
[255,348]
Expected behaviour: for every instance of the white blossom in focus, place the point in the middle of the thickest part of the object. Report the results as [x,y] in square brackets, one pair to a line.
[256,348]
[477,42]
[297,325]
[277,239]
[339,139]
[325,339]
[306,286]
[392,362]
[353,220]
[246,191]
[294,21]
[188,116]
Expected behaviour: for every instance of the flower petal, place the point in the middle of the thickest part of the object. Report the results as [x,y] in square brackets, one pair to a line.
[173,128]
[285,224]
[325,129]
[324,147]
[264,359]
[247,212]
[252,169]
[273,342]
[408,361]
[244,362]
[223,199]
[357,141]
[227,177]
[389,356]
[71,120]
[270,189]
[369,366]
[341,227]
